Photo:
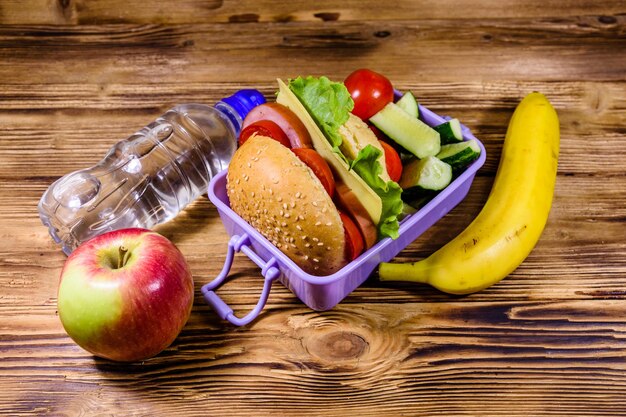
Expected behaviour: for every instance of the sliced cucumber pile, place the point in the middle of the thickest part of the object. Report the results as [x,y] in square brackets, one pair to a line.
[435,155]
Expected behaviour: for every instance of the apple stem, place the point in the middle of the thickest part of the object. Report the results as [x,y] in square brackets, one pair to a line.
[123,258]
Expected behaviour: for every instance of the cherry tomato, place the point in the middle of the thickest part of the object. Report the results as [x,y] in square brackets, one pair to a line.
[319,167]
[392,161]
[264,128]
[285,118]
[354,240]
[370,91]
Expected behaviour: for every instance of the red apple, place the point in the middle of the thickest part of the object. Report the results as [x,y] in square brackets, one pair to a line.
[125,295]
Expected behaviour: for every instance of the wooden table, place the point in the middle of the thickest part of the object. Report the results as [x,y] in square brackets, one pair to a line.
[76,76]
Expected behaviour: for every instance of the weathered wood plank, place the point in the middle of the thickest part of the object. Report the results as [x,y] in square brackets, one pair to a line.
[203,11]
[451,358]
[440,50]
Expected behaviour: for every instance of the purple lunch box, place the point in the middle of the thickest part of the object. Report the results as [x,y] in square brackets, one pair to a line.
[324,292]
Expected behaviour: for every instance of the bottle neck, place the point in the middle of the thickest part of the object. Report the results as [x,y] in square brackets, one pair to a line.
[231,114]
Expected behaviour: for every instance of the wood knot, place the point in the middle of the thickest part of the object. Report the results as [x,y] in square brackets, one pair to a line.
[328,17]
[339,346]
[382,34]
[244,18]
[607,20]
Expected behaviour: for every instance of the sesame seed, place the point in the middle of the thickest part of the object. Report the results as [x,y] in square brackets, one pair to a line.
[252,194]
[314,203]
[329,224]
[307,245]
[287,215]
[249,165]
[298,194]
[300,216]
[298,227]
[271,191]
[282,213]
[327,247]
[283,224]
[306,257]
[315,239]
[315,260]
[293,205]
[318,223]
[279,199]
[320,244]
[285,206]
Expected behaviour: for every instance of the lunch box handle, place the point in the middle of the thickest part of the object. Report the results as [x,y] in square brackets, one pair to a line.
[269,270]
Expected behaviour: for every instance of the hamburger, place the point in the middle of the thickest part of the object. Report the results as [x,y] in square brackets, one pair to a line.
[311,177]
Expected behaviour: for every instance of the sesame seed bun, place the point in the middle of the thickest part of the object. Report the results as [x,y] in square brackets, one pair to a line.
[277,194]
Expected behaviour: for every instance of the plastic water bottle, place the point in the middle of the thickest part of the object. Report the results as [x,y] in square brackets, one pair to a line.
[150,177]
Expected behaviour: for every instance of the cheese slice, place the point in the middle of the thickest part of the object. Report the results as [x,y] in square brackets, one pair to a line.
[357,135]
[367,197]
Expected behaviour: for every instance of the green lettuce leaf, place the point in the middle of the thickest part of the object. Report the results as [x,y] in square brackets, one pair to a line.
[328,102]
[367,166]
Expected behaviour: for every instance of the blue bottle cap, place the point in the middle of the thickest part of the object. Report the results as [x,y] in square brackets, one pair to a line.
[245,100]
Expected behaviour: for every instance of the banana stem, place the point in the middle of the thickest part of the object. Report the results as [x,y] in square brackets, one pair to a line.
[414,272]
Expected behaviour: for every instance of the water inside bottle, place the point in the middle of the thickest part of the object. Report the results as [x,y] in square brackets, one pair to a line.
[144,180]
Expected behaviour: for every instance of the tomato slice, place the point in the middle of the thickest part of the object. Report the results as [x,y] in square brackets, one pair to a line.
[264,128]
[379,134]
[393,161]
[347,201]
[370,91]
[354,240]
[285,118]
[319,166]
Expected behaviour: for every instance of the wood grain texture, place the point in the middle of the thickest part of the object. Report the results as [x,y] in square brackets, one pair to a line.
[154,53]
[72,12]
[76,76]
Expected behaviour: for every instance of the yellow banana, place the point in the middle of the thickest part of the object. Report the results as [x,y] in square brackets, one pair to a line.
[512,220]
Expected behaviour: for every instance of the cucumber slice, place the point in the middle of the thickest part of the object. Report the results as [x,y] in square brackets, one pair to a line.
[429,173]
[459,155]
[450,131]
[412,134]
[409,104]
